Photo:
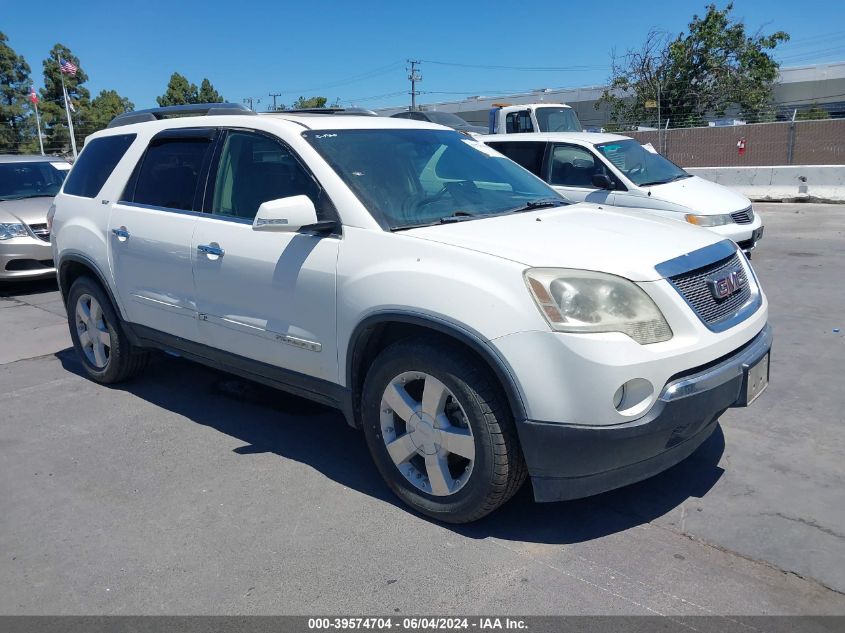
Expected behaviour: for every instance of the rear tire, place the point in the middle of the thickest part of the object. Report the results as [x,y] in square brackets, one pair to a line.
[440,431]
[97,333]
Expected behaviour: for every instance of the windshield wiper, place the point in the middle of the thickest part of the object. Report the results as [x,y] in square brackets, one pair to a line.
[458,216]
[37,195]
[543,203]
[663,182]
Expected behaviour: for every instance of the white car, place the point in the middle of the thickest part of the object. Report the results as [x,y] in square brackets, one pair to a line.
[617,170]
[449,303]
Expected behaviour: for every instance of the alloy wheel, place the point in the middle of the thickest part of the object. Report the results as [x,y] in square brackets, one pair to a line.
[427,434]
[93,332]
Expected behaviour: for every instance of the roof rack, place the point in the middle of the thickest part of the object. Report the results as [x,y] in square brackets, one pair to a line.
[346,111]
[198,109]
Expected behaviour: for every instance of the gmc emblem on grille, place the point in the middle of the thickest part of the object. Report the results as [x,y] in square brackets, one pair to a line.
[725,286]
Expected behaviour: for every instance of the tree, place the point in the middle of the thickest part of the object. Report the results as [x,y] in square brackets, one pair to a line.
[107,105]
[14,88]
[179,92]
[208,94]
[52,103]
[813,113]
[311,102]
[714,67]
[182,92]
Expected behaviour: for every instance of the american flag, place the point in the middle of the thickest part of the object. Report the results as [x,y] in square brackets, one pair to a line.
[32,96]
[68,67]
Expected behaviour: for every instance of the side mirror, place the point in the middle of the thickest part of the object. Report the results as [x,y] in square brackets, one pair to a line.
[285,215]
[602,181]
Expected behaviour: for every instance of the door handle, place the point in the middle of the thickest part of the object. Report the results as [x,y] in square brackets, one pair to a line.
[121,233]
[212,249]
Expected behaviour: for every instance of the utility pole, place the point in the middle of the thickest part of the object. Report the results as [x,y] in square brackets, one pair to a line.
[274,95]
[251,101]
[415,76]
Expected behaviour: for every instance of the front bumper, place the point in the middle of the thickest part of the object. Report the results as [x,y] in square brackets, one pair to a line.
[573,461]
[26,258]
[746,236]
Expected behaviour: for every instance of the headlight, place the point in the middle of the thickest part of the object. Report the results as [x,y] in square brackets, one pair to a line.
[709,220]
[586,301]
[8,231]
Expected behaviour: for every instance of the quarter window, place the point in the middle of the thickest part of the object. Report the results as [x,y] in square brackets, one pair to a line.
[254,169]
[169,172]
[574,166]
[96,163]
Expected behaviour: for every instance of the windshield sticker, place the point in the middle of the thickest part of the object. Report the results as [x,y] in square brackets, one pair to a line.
[62,166]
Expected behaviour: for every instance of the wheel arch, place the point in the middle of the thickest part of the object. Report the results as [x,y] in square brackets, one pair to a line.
[377,331]
[75,265]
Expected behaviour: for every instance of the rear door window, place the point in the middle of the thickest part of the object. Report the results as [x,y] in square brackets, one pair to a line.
[169,174]
[529,155]
[96,163]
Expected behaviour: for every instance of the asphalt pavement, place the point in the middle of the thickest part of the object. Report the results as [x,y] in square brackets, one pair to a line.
[188,491]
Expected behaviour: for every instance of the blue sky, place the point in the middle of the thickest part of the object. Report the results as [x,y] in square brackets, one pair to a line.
[356,50]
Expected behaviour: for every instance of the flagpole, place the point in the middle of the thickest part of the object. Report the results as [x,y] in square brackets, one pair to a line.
[67,110]
[38,125]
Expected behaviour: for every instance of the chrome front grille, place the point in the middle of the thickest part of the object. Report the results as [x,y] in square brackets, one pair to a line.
[41,231]
[694,287]
[746,216]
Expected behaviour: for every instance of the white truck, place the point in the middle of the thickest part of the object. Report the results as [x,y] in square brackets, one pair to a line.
[506,118]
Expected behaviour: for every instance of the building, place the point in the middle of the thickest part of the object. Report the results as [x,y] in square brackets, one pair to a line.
[799,87]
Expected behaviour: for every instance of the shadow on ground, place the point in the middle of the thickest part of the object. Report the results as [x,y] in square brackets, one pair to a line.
[23,288]
[269,421]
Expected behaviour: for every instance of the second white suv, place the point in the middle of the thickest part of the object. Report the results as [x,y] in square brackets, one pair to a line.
[447,301]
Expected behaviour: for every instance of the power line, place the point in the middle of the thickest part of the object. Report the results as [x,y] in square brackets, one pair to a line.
[580,68]
[370,74]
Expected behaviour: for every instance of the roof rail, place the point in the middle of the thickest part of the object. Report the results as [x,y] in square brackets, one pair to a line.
[193,109]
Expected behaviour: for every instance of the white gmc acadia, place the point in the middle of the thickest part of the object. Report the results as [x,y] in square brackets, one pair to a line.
[451,304]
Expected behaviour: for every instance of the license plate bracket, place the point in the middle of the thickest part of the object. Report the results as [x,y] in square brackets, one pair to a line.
[755,381]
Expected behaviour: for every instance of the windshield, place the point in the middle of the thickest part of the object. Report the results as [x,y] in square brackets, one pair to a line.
[446,118]
[29,180]
[418,177]
[552,119]
[640,165]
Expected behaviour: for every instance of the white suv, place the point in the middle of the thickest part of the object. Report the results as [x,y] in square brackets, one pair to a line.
[448,302]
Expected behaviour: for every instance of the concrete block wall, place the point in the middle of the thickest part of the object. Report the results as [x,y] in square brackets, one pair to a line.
[812,183]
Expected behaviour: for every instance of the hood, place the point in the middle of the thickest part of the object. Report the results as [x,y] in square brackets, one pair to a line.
[28,210]
[585,236]
[700,196]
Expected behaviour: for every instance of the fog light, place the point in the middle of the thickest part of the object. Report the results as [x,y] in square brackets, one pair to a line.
[633,397]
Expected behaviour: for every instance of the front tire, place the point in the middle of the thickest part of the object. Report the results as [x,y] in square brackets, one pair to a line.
[107,355]
[440,431]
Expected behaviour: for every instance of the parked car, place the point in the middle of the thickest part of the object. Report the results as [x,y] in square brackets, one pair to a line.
[477,327]
[441,118]
[617,170]
[27,186]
